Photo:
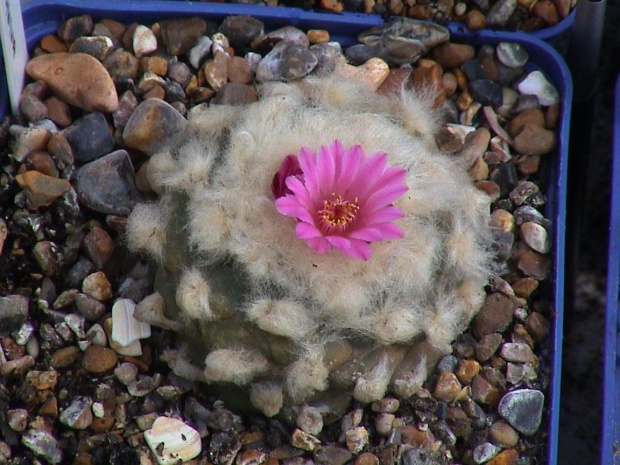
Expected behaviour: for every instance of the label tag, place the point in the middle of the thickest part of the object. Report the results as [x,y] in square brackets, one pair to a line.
[13,48]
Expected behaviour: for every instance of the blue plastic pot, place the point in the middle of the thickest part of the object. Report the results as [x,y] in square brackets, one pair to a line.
[43,17]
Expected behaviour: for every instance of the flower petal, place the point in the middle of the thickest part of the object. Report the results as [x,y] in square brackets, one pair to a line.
[289,206]
[299,190]
[326,169]
[359,249]
[307,162]
[319,244]
[368,174]
[383,215]
[305,230]
[383,197]
[350,163]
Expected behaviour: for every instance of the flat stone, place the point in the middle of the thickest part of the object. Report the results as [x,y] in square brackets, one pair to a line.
[285,62]
[77,78]
[516,352]
[487,346]
[43,444]
[241,30]
[107,184]
[150,126]
[78,415]
[523,409]
[99,359]
[171,441]
[181,34]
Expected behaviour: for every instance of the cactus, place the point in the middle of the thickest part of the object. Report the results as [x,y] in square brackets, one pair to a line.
[257,306]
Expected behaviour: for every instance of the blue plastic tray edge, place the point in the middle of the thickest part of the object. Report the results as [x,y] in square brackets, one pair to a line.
[540,53]
[610,435]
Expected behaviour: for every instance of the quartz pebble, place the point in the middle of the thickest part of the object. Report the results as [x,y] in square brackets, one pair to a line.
[537,84]
[78,415]
[43,444]
[171,441]
[125,328]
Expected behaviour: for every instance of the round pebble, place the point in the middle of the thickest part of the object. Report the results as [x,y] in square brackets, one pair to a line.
[99,359]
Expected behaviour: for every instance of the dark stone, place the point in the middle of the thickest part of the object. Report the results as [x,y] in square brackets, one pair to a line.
[507,76]
[75,27]
[241,30]
[13,313]
[473,70]
[423,457]
[505,176]
[486,92]
[89,137]
[107,185]
[179,35]
[234,93]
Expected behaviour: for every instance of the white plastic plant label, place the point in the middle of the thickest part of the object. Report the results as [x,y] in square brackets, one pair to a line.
[13,48]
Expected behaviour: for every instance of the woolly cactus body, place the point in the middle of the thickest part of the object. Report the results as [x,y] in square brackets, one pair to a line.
[267,311]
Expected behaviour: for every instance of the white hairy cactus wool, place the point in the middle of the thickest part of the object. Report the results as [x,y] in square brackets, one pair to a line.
[255,305]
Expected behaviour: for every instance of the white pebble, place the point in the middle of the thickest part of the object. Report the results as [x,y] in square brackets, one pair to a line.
[171,441]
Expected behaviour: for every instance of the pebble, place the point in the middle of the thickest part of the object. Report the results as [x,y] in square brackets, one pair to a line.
[98,246]
[43,444]
[372,73]
[503,435]
[537,326]
[125,328]
[64,357]
[88,307]
[310,420]
[32,108]
[75,27]
[27,140]
[97,286]
[485,452]
[144,41]
[151,124]
[486,92]
[331,455]
[171,441]
[4,232]
[77,78]
[42,380]
[98,47]
[516,352]
[498,15]
[512,54]
[18,419]
[179,35]
[505,457]
[304,441]
[99,359]
[241,30]
[447,387]
[96,335]
[89,137]
[234,93]
[534,140]
[216,71]
[494,316]
[537,84]
[452,55]
[13,313]
[78,415]
[466,370]
[523,409]
[107,185]
[422,457]
[239,71]
[536,237]
[484,392]
[122,66]
[42,190]
[126,373]
[356,439]
[285,62]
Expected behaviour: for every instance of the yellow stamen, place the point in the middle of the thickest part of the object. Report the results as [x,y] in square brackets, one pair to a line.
[338,213]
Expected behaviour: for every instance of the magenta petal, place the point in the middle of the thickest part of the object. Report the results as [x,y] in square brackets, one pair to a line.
[349,166]
[383,215]
[359,249]
[384,197]
[367,234]
[298,188]
[290,206]
[325,170]
[341,243]
[390,231]
[369,173]
[319,244]
[306,231]
[307,162]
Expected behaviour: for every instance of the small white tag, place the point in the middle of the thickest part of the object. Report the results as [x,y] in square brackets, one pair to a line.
[13,48]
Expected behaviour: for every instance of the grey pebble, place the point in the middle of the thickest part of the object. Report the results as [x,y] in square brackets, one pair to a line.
[107,185]
[485,452]
[13,313]
[43,444]
[498,15]
[512,54]
[199,52]
[241,30]
[89,137]
[486,92]
[423,457]
[285,62]
[78,414]
[516,352]
[447,363]
[523,409]
[332,455]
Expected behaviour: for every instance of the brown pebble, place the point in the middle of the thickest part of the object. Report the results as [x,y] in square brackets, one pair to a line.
[503,435]
[475,20]
[51,44]
[466,370]
[64,357]
[156,65]
[537,326]
[430,78]
[239,71]
[97,286]
[366,458]
[484,392]
[12,350]
[42,190]
[505,457]
[101,425]
[60,149]
[77,78]
[533,116]
[41,162]
[49,408]
[449,83]
[524,287]
[552,115]
[318,36]
[334,6]
[58,111]
[420,12]
[17,367]
[545,10]
[487,346]
[459,422]
[447,387]
[17,419]
[419,438]
[528,164]
[534,264]
[451,55]
[494,316]
[490,188]
[42,379]
[156,91]
[99,359]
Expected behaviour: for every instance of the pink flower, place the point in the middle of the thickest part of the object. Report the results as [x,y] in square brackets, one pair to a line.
[343,199]
[289,167]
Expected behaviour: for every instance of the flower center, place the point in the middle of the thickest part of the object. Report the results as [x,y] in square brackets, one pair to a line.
[337,214]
